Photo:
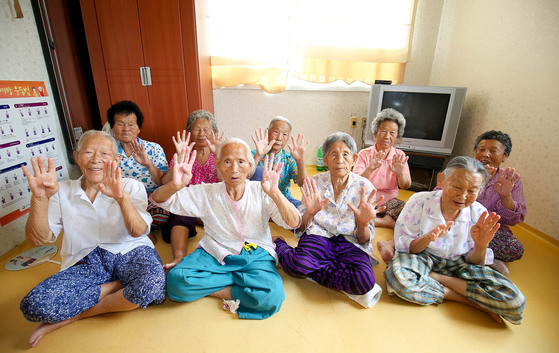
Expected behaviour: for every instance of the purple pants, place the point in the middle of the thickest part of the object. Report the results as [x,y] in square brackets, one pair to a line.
[333,262]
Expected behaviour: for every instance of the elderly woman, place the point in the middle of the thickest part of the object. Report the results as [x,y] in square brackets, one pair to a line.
[335,248]
[202,129]
[108,262]
[442,240]
[235,260]
[387,168]
[141,160]
[273,141]
[503,195]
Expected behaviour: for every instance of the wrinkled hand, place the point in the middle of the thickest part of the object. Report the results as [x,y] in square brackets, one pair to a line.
[490,169]
[485,228]
[439,230]
[260,139]
[311,197]
[398,164]
[366,211]
[298,146]
[376,159]
[43,181]
[271,175]
[214,141]
[182,169]
[505,182]
[182,141]
[112,180]
[139,153]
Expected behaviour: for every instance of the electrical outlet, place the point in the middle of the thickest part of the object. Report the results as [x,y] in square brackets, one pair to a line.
[353,121]
[363,122]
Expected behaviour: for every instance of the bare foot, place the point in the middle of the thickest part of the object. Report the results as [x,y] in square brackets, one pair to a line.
[170,265]
[152,238]
[386,249]
[45,328]
[224,293]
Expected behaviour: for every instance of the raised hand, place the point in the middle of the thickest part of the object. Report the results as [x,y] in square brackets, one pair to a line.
[298,147]
[376,159]
[505,182]
[398,164]
[439,231]
[182,169]
[260,139]
[182,141]
[139,153]
[311,197]
[490,169]
[365,211]
[271,175]
[112,180]
[214,141]
[484,230]
[43,181]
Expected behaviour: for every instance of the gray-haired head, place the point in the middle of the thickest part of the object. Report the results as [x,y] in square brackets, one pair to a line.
[282,119]
[231,140]
[496,135]
[389,114]
[469,164]
[92,133]
[201,114]
[339,136]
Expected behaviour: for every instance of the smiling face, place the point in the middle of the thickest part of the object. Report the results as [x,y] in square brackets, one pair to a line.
[233,164]
[491,152]
[339,160]
[279,131]
[126,127]
[200,131]
[95,151]
[386,135]
[460,190]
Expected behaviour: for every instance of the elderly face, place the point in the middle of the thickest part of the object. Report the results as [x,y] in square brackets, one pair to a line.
[386,135]
[460,189]
[279,131]
[491,152]
[339,159]
[126,127]
[233,164]
[95,151]
[200,131]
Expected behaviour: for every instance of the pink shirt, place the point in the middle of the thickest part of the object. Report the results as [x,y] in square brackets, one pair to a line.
[202,174]
[384,180]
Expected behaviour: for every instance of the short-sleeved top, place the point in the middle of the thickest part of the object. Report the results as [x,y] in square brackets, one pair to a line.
[336,218]
[228,224]
[288,173]
[492,201]
[89,225]
[384,180]
[202,174]
[132,169]
[422,213]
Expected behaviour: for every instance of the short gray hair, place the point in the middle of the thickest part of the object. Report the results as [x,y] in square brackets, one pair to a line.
[282,119]
[469,164]
[241,142]
[93,133]
[389,114]
[201,114]
[339,136]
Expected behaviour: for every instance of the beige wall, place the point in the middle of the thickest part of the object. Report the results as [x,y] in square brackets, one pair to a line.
[507,53]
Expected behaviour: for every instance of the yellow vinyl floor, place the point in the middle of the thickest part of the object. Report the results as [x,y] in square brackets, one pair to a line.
[312,319]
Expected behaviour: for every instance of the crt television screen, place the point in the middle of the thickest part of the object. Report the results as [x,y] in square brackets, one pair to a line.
[425,113]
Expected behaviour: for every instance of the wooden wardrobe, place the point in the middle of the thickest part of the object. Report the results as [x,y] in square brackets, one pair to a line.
[152,52]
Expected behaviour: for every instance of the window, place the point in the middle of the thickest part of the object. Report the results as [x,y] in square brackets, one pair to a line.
[260,42]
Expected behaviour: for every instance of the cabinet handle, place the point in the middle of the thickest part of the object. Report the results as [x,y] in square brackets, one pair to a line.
[143,76]
[147,71]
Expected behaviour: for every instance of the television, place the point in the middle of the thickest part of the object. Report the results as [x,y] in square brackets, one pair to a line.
[432,115]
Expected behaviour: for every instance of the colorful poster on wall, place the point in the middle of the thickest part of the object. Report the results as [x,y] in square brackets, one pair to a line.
[27,129]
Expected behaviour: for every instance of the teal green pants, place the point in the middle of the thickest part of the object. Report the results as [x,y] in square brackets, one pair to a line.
[252,276]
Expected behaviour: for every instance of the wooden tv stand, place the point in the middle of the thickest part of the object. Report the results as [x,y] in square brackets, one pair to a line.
[423,170]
